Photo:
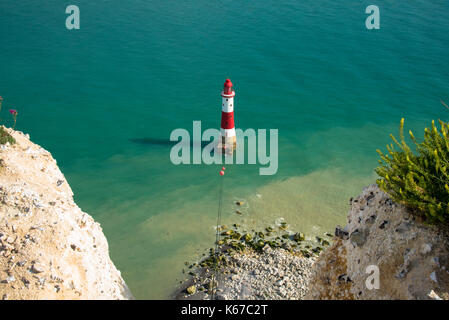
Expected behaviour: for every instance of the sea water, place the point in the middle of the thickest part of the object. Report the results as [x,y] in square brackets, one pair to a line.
[104,99]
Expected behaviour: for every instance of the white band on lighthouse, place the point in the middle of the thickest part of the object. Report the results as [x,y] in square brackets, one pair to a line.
[227,104]
[227,132]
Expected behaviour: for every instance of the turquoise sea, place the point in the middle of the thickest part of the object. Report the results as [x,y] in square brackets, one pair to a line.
[139,69]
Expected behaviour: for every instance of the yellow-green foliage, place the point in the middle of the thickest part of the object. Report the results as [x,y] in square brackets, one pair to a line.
[419,178]
[6,137]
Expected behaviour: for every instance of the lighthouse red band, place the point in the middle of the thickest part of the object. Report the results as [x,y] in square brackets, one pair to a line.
[227,116]
[227,120]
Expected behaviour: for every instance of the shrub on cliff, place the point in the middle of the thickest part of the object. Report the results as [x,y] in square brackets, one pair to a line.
[419,178]
[6,137]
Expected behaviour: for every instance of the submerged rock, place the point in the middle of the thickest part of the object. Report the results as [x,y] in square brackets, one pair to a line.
[191,290]
[299,237]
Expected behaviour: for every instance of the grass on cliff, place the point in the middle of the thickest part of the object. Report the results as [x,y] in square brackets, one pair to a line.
[6,137]
[419,177]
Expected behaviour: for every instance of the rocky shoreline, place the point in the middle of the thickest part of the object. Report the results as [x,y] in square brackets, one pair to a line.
[411,259]
[273,264]
[273,274]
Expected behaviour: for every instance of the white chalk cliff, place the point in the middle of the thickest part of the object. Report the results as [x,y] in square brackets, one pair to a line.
[49,248]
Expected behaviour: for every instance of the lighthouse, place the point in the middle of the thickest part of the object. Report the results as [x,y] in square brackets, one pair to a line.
[227,130]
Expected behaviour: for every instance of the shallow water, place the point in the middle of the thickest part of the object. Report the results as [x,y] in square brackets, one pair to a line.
[140,69]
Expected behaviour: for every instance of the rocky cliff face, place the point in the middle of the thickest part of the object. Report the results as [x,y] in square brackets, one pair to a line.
[412,258]
[49,248]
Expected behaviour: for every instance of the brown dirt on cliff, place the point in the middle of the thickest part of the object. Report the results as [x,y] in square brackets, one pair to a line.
[329,268]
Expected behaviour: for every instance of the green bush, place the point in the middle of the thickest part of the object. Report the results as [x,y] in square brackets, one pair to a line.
[419,178]
[6,137]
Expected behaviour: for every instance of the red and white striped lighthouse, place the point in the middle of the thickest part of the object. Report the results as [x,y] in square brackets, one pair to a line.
[227,130]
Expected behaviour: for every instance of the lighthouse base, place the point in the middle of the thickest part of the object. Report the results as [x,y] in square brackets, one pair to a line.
[227,145]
